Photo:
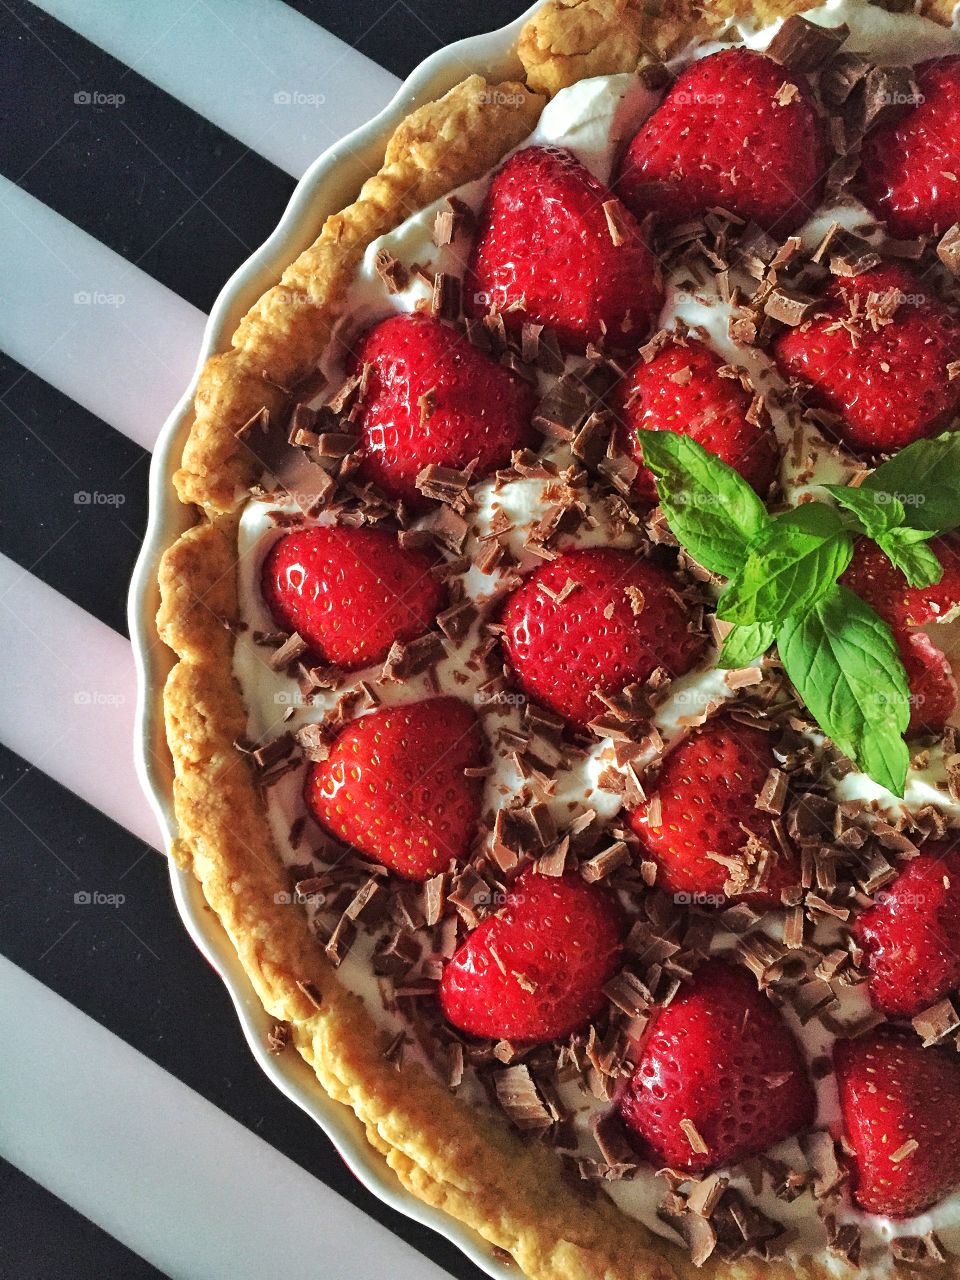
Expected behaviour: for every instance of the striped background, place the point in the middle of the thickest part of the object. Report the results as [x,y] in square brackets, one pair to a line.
[142,159]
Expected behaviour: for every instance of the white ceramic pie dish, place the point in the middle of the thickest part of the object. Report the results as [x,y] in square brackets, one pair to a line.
[329,184]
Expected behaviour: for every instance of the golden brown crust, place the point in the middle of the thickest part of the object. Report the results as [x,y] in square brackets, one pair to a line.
[567,40]
[281,338]
[516,1194]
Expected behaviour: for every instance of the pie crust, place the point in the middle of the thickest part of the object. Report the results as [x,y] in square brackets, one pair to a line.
[518,1196]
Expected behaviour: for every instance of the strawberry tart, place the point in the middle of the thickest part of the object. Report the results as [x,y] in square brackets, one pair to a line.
[564,714]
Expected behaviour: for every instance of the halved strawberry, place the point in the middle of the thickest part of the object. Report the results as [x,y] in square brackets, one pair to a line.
[933,689]
[535,970]
[900,1104]
[698,824]
[433,397]
[911,166]
[912,934]
[877,355]
[720,1076]
[736,130]
[682,389]
[555,247]
[394,785]
[595,621]
[350,593]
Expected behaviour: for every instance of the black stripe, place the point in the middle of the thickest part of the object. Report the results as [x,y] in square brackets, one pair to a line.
[129,174]
[399,35]
[133,968]
[73,495]
[51,1240]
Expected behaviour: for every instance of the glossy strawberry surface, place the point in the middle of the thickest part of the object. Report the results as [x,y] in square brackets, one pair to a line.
[620,621]
[433,398]
[900,1103]
[704,810]
[350,593]
[683,389]
[720,1076]
[545,254]
[394,788]
[886,380]
[724,137]
[911,165]
[536,970]
[911,935]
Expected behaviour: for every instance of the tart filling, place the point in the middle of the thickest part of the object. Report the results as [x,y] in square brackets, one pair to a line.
[541,538]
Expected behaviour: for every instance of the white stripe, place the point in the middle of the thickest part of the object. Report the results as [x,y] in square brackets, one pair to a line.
[159,1167]
[82,318]
[70,694]
[230,59]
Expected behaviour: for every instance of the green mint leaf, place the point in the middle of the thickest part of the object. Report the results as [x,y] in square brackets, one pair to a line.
[876,511]
[710,507]
[907,550]
[795,560]
[743,646]
[845,665]
[924,478]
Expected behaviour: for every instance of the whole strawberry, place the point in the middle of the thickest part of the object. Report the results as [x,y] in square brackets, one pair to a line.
[720,1076]
[394,785]
[736,131]
[911,166]
[595,621]
[877,356]
[433,397]
[535,971]
[911,935]
[933,689]
[682,389]
[697,826]
[556,248]
[349,593]
[900,1104]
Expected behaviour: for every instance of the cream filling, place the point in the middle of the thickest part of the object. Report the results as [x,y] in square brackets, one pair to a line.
[593,119]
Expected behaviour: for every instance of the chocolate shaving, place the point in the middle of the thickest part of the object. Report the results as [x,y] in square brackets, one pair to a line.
[413,657]
[392,272]
[519,1097]
[804,46]
[312,992]
[936,1024]
[948,250]
[293,647]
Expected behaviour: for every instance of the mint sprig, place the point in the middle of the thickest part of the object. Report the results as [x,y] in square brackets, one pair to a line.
[783,573]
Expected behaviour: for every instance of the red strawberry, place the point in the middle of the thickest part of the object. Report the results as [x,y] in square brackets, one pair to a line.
[706,804]
[900,1104]
[736,131]
[394,787]
[933,689]
[350,593]
[881,368]
[681,389]
[620,622]
[536,969]
[911,166]
[912,934]
[721,1058]
[433,397]
[545,253]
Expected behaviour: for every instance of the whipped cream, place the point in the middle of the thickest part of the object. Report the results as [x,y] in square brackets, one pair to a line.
[593,119]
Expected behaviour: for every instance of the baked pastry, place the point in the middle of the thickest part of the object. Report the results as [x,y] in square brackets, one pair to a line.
[632,961]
